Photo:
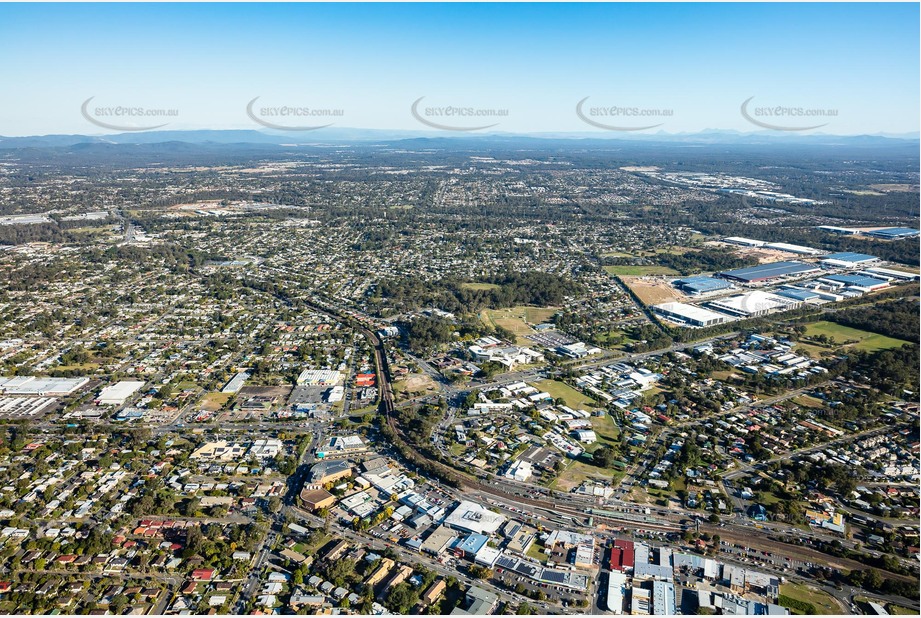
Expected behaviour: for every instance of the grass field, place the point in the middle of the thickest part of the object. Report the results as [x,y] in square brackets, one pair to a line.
[808,402]
[898,610]
[574,399]
[674,250]
[865,340]
[813,351]
[577,472]
[722,376]
[639,271]
[517,319]
[613,338]
[214,401]
[605,429]
[537,552]
[479,286]
[824,603]
[457,449]
[87,367]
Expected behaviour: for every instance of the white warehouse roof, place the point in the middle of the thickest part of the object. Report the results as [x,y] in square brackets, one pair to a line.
[116,394]
[474,517]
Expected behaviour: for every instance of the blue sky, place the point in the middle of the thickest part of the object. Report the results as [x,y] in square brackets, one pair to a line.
[697,61]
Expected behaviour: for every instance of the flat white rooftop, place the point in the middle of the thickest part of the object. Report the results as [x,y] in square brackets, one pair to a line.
[31,385]
[753,302]
[691,312]
[474,517]
[117,393]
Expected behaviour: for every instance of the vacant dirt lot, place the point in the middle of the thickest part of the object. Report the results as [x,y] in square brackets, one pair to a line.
[414,384]
[652,290]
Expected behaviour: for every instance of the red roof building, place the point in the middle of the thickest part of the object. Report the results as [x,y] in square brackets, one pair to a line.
[622,555]
[204,575]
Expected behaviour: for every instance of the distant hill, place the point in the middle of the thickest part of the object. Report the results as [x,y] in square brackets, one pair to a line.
[443,140]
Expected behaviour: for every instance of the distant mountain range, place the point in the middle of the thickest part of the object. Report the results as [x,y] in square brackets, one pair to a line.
[333,135]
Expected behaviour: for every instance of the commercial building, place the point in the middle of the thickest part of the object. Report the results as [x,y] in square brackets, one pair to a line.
[477,602]
[767,272]
[745,242]
[438,541]
[340,446]
[843,231]
[782,246]
[487,556]
[641,601]
[472,517]
[799,294]
[848,259]
[265,448]
[328,472]
[617,584]
[696,286]
[116,394]
[901,275]
[236,383]
[472,544]
[577,350]
[622,555]
[316,499]
[663,598]
[860,282]
[335,394]
[519,471]
[894,233]
[319,377]
[585,436]
[754,304]
[31,385]
[219,451]
[508,356]
[690,314]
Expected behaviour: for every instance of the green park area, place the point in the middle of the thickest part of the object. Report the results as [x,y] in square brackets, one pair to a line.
[479,286]
[862,339]
[630,270]
[802,599]
[577,472]
[215,401]
[518,319]
[558,390]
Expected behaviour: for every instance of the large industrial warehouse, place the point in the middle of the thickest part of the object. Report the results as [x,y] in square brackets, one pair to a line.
[894,233]
[690,314]
[848,259]
[700,285]
[766,272]
[754,304]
